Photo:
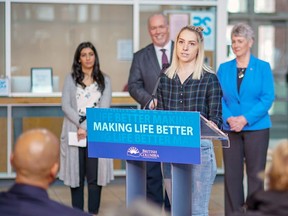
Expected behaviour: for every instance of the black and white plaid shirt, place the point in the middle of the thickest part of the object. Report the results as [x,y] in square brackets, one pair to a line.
[202,95]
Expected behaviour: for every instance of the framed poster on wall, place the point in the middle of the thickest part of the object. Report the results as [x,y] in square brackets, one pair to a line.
[41,80]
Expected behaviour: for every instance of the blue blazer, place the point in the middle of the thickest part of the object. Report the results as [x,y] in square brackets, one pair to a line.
[255,97]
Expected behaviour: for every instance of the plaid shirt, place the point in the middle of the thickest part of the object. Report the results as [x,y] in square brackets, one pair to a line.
[202,95]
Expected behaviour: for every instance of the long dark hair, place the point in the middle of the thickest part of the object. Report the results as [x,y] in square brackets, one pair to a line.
[77,73]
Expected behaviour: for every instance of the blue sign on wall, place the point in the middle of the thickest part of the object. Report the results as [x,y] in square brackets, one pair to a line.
[144,135]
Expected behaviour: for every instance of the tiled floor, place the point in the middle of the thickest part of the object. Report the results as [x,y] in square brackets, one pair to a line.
[113,195]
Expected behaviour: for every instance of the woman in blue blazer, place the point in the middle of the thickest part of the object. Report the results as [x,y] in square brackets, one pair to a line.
[248,94]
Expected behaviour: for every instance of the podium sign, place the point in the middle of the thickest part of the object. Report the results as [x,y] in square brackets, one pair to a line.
[144,135]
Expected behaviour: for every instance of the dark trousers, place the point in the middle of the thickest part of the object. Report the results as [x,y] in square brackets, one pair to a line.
[155,185]
[87,167]
[249,148]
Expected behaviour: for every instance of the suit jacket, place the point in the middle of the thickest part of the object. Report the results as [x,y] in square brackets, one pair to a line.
[255,96]
[27,200]
[144,73]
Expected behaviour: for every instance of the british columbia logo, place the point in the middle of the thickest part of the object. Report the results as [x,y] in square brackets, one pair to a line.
[145,153]
[133,152]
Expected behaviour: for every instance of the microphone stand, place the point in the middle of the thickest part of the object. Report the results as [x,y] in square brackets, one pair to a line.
[153,95]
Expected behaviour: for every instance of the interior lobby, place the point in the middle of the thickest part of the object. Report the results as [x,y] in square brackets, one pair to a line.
[37,35]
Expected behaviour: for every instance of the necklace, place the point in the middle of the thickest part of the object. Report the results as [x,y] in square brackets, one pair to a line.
[241,72]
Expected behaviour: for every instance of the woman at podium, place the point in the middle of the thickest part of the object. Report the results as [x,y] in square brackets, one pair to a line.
[189,85]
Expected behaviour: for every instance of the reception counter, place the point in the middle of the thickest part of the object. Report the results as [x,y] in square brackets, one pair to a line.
[24,111]
[118,98]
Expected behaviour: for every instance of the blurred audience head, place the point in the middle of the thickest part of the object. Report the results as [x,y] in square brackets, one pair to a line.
[36,158]
[278,171]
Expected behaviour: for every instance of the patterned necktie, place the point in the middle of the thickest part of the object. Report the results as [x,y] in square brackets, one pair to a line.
[164,59]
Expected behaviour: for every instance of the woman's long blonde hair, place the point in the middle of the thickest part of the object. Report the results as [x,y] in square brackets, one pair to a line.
[199,65]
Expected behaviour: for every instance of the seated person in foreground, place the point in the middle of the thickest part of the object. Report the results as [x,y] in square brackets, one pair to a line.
[273,201]
[36,161]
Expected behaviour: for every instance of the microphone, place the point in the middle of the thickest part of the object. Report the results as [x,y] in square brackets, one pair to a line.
[153,95]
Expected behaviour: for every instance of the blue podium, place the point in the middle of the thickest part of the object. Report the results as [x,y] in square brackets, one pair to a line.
[138,136]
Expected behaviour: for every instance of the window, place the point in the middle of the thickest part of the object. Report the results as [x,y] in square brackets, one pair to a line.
[46,35]
[266,39]
[2,39]
[264,6]
[237,6]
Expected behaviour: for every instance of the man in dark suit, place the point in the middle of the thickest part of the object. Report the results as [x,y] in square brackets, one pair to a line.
[144,72]
[36,161]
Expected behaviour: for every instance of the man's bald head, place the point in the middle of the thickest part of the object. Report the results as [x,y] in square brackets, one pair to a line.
[35,154]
